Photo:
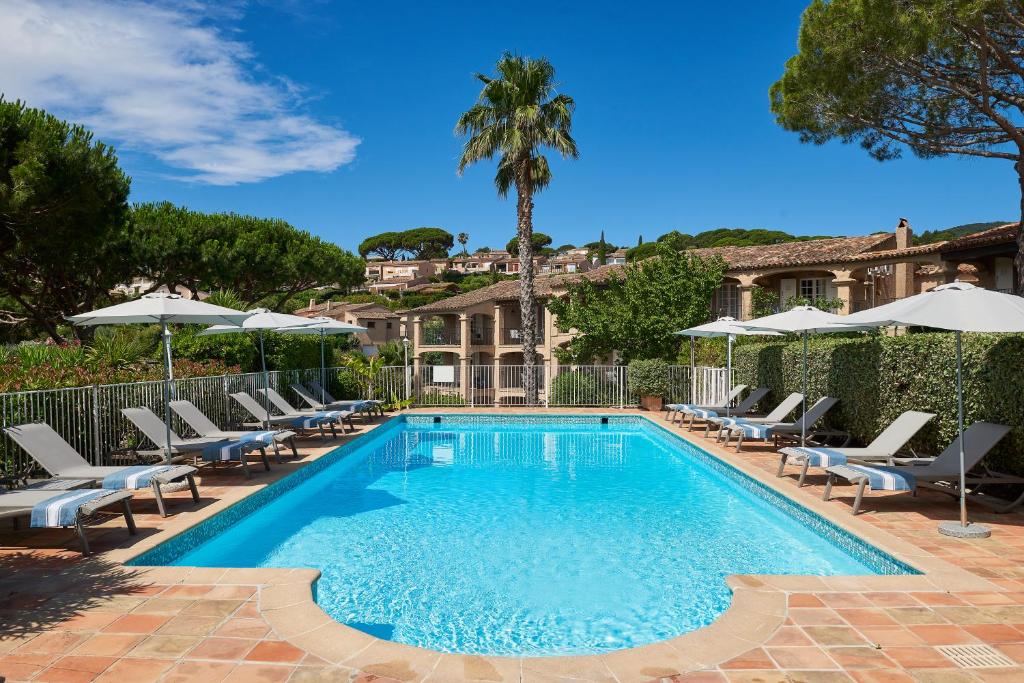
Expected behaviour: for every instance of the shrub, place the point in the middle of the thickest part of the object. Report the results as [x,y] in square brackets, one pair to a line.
[648,377]
[441,398]
[876,378]
[576,388]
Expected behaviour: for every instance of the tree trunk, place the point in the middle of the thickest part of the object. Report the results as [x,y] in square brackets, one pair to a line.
[527,300]
[1018,261]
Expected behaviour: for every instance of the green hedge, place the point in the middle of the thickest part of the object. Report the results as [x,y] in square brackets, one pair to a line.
[877,378]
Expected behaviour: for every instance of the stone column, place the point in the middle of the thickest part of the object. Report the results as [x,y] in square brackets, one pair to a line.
[464,374]
[496,379]
[417,333]
[499,322]
[746,302]
[844,290]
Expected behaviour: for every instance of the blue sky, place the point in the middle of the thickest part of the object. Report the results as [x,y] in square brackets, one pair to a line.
[338,117]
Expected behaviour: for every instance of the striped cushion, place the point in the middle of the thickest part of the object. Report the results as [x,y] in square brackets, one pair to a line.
[230,451]
[750,430]
[816,457]
[886,478]
[702,413]
[134,477]
[62,509]
[317,419]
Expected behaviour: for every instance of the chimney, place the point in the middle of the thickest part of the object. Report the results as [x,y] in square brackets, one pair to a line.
[904,234]
[312,303]
[328,305]
[904,285]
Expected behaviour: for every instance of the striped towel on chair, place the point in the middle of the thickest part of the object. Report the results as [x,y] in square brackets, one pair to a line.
[886,478]
[702,413]
[816,457]
[230,451]
[134,477]
[750,430]
[62,509]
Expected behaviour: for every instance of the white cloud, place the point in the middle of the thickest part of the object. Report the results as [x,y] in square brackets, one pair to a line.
[161,81]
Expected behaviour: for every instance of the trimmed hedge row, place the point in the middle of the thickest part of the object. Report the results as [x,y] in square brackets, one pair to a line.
[876,378]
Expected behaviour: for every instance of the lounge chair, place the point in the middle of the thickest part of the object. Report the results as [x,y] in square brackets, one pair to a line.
[209,450]
[741,410]
[64,509]
[778,414]
[63,462]
[204,427]
[883,449]
[286,408]
[941,473]
[299,422]
[674,408]
[742,428]
[369,408]
[318,390]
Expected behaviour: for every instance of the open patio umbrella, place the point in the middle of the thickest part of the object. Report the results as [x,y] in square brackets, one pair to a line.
[803,320]
[323,326]
[163,309]
[958,307]
[260,320]
[723,327]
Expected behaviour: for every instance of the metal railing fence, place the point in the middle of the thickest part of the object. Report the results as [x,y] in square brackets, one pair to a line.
[90,418]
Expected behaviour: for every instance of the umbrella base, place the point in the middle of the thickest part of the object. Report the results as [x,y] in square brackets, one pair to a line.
[957,530]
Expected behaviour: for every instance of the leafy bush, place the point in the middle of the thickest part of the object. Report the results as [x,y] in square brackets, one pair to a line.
[575,388]
[441,398]
[648,377]
[233,349]
[345,385]
[876,378]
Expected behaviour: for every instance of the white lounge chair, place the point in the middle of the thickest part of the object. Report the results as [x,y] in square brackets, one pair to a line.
[882,450]
[280,403]
[751,429]
[778,414]
[296,421]
[64,509]
[204,427]
[941,473]
[368,408]
[743,409]
[674,408]
[212,450]
[63,462]
[318,390]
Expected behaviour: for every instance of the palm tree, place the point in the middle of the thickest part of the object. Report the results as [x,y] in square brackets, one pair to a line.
[463,239]
[517,115]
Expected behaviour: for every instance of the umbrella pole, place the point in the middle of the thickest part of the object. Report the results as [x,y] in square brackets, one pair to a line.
[693,373]
[323,370]
[168,376]
[963,529]
[266,384]
[728,374]
[960,427]
[803,407]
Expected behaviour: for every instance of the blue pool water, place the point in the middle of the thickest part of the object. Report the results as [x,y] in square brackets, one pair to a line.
[506,536]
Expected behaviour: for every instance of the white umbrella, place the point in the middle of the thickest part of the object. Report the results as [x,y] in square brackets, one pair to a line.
[260,320]
[959,307]
[802,320]
[323,326]
[162,309]
[723,327]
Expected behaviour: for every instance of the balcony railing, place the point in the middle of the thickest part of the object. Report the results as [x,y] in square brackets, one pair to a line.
[440,338]
[513,336]
[482,337]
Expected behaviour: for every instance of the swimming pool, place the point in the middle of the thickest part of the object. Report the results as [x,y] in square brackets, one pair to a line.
[523,535]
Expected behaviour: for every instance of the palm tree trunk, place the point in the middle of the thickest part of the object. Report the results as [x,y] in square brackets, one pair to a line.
[527,300]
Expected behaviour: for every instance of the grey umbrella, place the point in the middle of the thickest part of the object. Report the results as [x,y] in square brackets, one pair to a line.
[162,309]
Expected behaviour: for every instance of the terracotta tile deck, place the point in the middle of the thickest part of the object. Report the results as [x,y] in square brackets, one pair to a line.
[65,618]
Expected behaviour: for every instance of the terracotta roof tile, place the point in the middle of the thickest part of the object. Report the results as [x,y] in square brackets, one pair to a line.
[997,235]
[790,254]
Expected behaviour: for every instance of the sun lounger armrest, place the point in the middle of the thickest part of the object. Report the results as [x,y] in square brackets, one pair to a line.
[94,506]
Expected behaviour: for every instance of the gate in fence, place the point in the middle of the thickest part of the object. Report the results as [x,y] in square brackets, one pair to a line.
[90,418]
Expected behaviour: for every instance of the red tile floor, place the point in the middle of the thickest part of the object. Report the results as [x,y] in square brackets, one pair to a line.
[68,618]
